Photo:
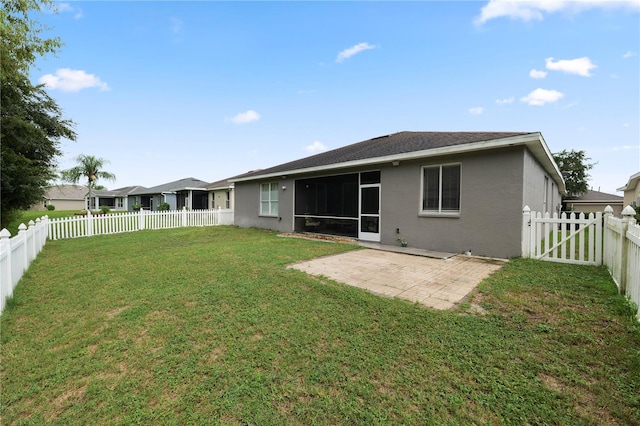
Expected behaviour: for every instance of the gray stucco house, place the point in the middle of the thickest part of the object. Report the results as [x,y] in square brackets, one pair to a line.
[445,191]
[115,199]
[188,192]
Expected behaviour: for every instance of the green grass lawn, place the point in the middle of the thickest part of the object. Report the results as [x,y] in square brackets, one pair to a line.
[27,215]
[207,326]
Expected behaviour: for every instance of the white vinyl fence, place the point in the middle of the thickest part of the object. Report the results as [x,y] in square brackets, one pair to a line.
[96,224]
[17,253]
[568,237]
[588,240]
[622,252]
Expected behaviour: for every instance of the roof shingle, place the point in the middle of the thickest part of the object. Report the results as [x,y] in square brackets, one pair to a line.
[397,143]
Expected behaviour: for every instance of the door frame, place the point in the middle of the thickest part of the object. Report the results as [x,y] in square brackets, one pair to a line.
[369,236]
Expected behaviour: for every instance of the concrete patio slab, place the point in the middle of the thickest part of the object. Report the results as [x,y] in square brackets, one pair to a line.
[438,283]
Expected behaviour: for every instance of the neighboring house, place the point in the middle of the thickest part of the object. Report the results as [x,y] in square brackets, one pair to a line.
[444,191]
[595,201]
[632,191]
[63,197]
[189,192]
[115,199]
[221,194]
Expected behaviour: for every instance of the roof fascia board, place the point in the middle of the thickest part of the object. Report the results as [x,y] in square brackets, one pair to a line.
[631,184]
[531,140]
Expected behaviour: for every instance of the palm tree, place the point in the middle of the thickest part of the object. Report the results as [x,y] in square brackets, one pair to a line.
[89,167]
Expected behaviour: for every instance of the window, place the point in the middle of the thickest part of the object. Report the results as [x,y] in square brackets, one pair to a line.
[441,189]
[119,203]
[269,199]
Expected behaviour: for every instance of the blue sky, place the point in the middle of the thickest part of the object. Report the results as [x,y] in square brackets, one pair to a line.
[168,90]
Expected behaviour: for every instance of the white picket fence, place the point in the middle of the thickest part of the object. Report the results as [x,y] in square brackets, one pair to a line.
[17,253]
[91,224]
[568,237]
[622,252]
[588,240]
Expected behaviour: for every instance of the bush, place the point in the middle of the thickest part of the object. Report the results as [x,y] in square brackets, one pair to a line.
[105,209]
[51,207]
[136,207]
[163,207]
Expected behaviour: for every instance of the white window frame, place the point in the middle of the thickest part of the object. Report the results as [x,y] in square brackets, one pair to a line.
[439,211]
[270,202]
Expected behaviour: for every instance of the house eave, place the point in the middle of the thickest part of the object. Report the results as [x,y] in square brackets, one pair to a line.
[534,141]
[633,181]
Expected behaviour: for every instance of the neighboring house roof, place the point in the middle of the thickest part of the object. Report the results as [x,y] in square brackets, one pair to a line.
[178,185]
[119,192]
[221,184]
[66,192]
[411,145]
[633,182]
[593,197]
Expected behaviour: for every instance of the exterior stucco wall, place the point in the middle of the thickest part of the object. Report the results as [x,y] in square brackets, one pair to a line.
[218,199]
[596,207]
[247,206]
[61,205]
[534,187]
[489,223]
[494,189]
[632,195]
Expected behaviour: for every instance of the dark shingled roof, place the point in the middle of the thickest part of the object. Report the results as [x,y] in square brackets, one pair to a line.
[397,143]
[186,183]
[595,196]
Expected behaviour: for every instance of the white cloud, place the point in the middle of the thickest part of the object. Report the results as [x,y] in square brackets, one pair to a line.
[476,110]
[67,8]
[530,10]
[629,54]
[245,117]
[625,148]
[537,74]
[316,146]
[579,66]
[69,80]
[540,97]
[505,101]
[347,53]
[176,25]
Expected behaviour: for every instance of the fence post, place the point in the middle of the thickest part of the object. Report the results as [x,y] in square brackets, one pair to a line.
[45,229]
[627,219]
[141,219]
[22,230]
[184,216]
[526,231]
[31,241]
[6,285]
[89,223]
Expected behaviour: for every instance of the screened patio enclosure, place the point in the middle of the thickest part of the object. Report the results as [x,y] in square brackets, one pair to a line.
[344,205]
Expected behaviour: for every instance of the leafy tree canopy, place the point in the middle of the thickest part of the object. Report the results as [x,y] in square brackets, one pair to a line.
[31,123]
[574,167]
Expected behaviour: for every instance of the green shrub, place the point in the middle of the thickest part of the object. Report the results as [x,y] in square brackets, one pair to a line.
[105,209]
[136,207]
[51,207]
[163,207]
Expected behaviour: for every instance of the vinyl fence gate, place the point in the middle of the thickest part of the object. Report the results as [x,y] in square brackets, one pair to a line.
[567,238]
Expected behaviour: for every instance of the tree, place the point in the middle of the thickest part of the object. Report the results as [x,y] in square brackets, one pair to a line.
[31,123]
[88,167]
[574,167]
